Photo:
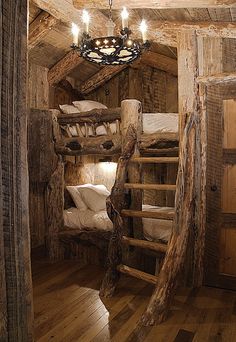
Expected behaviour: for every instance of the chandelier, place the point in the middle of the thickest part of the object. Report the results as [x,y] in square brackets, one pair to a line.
[110,49]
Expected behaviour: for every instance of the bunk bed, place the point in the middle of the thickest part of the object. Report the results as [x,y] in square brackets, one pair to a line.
[128,135]
[99,132]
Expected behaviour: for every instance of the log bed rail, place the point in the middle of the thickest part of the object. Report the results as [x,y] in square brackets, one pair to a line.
[76,134]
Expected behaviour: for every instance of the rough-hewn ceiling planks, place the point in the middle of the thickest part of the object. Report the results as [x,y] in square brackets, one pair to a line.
[156,3]
[39,28]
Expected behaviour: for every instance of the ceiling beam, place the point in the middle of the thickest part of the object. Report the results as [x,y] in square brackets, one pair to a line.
[39,28]
[62,68]
[156,4]
[67,13]
[161,62]
[101,77]
[165,32]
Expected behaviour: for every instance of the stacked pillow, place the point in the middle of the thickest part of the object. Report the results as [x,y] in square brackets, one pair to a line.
[89,196]
[81,106]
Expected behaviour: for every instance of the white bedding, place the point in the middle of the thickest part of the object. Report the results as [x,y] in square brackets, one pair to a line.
[154,229]
[152,123]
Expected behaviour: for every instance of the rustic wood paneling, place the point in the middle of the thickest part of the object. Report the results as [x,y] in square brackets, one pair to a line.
[217,186]
[38,87]
[15,286]
[157,90]
[37,217]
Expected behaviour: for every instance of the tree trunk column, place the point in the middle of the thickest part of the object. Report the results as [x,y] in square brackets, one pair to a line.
[131,113]
[16,314]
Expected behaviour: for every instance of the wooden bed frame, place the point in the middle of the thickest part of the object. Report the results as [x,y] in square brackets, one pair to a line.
[58,239]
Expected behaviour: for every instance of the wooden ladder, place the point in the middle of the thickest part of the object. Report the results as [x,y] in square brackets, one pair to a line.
[160,214]
[116,211]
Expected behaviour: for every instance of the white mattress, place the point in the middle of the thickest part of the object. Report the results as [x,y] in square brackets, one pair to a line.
[152,123]
[160,122]
[154,229]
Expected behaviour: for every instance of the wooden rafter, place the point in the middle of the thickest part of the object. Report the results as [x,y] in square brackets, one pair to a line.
[156,4]
[39,28]
[217,78]
[161,62]
[165,32]
[62,68]
[67,13]
[102,76]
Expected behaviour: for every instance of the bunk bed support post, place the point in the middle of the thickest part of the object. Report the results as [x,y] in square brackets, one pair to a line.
[131,129]
[131,113]
[189,223]
[115,203]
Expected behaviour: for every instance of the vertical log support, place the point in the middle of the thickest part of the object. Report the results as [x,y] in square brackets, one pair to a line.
[16,314]
[115,203]
[55,207]
[131,114]
[186,247]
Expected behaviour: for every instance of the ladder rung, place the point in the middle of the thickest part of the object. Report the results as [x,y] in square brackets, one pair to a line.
[137,274]
[160,160]
[164,215]
[170,187]
[151,245]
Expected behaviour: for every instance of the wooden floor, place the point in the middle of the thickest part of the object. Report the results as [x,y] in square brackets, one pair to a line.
[68,308]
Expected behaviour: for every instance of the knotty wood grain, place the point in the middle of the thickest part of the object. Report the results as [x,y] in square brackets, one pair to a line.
[15,287]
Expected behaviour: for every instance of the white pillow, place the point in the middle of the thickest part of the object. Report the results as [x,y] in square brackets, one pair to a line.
[76,196]
[87,105]
[68,109]
[94,196]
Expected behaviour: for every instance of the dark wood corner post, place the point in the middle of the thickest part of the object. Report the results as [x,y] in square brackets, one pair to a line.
[16,314]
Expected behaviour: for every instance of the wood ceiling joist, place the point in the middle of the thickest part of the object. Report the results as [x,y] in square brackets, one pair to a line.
[214,29]
[67,13]
[62,68]
[160,62]
[39,28]
[165,32]
[102,76]
[156,4]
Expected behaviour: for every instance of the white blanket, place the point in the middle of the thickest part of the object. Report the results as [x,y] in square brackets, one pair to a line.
[154,229]
[152,123]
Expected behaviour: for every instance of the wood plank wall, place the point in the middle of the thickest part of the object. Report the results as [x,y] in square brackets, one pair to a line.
[38,87]
[16,314]
[156,89]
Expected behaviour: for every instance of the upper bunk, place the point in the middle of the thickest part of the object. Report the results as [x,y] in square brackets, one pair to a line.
[99,131]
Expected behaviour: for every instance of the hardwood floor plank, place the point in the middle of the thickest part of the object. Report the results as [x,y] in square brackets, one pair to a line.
[68,309]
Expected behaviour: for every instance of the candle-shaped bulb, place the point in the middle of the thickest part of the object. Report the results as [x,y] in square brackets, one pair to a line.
[75,31]
[110,28]
[86,20]
[143,29]
[124,17]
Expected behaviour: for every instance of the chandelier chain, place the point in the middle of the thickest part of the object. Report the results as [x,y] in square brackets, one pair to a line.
[110,9]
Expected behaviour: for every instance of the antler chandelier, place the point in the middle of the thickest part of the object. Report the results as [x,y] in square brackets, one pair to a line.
[110,49]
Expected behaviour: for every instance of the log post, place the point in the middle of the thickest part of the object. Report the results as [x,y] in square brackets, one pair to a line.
[186,247]
[131,113]
[187,74]
[16,314]
[55,207]
[115,203]
[174,261]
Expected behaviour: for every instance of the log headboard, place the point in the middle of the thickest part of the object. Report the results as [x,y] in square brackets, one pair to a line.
[64,93]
